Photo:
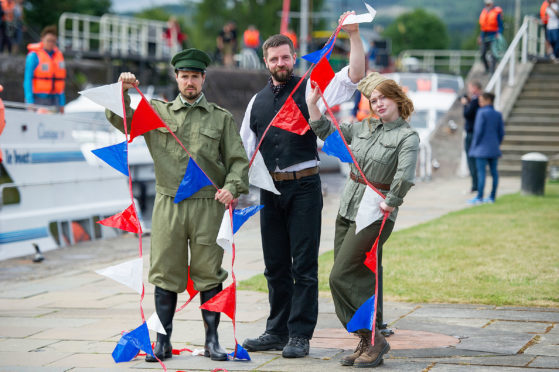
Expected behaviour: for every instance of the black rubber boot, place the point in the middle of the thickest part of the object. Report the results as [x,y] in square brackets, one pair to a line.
[165,306]
[212,349]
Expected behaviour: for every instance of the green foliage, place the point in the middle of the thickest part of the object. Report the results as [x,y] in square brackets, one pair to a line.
[211,15]
[417,30]
[155,14]
[41,13]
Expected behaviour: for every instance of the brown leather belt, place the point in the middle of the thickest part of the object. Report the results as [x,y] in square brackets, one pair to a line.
[359,179]
[288,176]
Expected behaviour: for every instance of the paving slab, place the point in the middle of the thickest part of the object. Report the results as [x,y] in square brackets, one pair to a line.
[519,326]
[547,345]
[545,362]
[441,367]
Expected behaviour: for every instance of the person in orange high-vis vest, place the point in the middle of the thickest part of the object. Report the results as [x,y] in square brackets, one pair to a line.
[45,72]
[251,38]
[544,17]
[491,25]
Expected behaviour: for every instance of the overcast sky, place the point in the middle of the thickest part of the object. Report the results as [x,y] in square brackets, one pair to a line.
[136,5]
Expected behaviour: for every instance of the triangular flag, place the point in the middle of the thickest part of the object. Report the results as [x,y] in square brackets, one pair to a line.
[369,209]
[326,50]
[259,176]
[223,302]
[371,260]
[194,179]
[131,343]
[240,216]
[361,18]
[154,323]
[334,145]
[191,291]
[128,273]
[322,74]
[363,317]
[291,119]
[115,156]
[144,120]
[126,220]
[240,353]
[108,96]
[225,234]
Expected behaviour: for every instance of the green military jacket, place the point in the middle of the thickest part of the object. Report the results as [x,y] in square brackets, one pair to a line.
[386,153]
[207,131]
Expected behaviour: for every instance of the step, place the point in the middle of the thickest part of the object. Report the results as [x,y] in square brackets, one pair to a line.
[527,130]
[543,77]
[531,102]
[524,149]
[541,85]
[547,68]
[535,111]
[531,120]
[539,94]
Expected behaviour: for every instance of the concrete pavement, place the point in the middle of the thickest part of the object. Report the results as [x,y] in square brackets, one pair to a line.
[61,316]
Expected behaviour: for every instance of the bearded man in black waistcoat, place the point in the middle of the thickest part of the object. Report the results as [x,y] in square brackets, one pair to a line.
[290,222]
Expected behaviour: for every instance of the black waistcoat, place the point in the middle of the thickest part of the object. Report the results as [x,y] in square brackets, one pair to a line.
[280,147]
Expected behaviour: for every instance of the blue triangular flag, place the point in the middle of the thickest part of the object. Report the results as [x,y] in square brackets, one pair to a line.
[131,343]
[335,146]
[115,156]
[194,179]
[242,215]
[363,317]
[316,56]
[242,354]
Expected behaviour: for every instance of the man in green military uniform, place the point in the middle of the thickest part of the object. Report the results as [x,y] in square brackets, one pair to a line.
[210,135]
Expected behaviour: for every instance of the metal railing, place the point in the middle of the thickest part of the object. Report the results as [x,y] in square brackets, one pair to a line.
[453,61]
[528,41]
[115,36]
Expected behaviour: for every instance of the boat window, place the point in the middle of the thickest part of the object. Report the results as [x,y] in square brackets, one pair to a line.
[419,119]
[53,228]
[10,195]
[448,85]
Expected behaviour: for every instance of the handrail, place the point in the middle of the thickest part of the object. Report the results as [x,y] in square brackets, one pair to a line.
[433,58]
[530,37]
[112,35]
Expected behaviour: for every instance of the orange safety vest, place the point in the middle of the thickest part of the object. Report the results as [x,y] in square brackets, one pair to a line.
[488,19]
[8,10]
[50,74]
[293,38]
[543,9]
[251,38]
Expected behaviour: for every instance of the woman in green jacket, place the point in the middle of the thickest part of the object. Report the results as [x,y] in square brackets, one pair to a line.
[386,150]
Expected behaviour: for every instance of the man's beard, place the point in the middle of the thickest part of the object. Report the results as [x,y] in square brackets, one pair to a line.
[282,75]
[191,94]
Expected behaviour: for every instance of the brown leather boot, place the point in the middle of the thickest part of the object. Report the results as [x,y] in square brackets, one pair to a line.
[365,339]
[372,355]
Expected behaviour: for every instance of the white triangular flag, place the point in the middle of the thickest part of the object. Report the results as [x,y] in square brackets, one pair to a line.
[369,209]
[154,324]
[108,96]
[128,273]
[225,234]
[259,176]
[361,18]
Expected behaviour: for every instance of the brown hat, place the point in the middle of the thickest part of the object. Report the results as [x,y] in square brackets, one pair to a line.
[370,82]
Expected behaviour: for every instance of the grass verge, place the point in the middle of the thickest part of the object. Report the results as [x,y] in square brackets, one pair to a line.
[505,253]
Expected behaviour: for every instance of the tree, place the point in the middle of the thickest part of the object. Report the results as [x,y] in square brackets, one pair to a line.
[40,13]
[417,30]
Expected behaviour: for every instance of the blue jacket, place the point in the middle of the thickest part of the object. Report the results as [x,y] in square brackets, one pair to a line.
[489,130]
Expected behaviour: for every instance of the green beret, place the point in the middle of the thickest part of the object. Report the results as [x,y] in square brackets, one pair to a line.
[370,83]
[191,60]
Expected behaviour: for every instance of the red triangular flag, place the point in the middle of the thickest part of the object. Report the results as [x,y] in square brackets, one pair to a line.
[191,291]
[126,220]
[144,120]
[371,260]
[223,302]
[322,74]
[291,119]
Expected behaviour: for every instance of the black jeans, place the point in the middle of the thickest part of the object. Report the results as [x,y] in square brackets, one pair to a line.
[290,228]
[471,161]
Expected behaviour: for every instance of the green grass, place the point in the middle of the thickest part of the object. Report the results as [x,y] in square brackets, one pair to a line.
[505,253]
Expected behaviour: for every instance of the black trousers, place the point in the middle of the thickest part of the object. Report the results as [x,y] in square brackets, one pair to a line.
[290,228]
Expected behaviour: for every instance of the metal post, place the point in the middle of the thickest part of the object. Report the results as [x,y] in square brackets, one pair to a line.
[512,64]
[304,32]
[498,93]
